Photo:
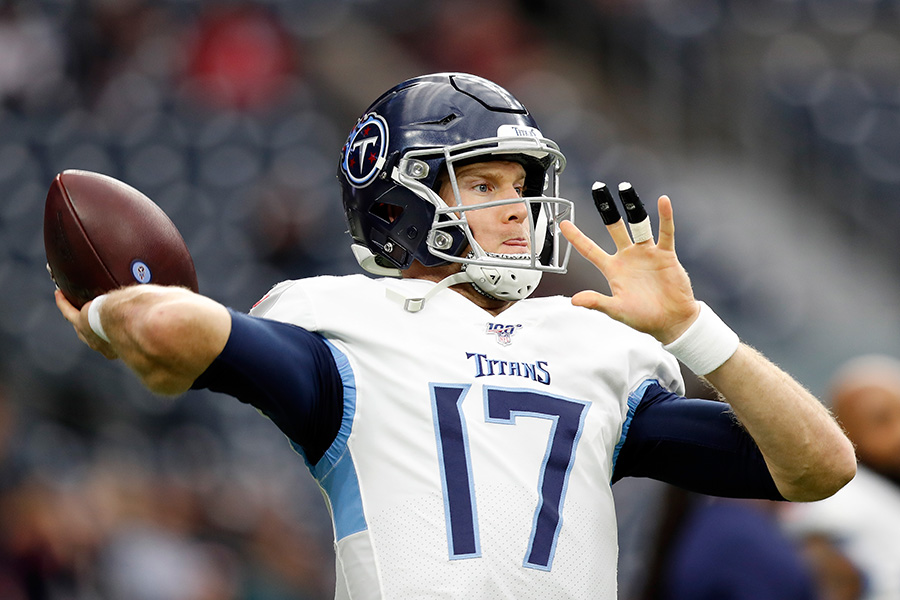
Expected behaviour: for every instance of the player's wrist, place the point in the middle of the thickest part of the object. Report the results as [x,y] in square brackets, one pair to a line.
[94,317]
[706,344]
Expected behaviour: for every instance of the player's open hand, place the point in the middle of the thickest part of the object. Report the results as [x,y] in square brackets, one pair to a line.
[651,291]
[79,320]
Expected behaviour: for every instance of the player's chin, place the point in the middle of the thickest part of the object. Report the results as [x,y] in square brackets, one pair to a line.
[514,249]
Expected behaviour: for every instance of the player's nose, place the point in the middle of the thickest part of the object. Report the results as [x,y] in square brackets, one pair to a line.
[514,211]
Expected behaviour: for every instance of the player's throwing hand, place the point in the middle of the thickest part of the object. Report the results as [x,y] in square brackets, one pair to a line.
[79,320]
[651,291]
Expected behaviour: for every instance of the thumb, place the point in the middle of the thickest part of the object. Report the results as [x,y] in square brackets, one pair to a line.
[593,300]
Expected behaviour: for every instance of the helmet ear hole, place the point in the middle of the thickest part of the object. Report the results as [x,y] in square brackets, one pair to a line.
[386,212]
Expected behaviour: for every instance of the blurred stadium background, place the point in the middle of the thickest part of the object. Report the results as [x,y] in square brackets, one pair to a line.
[773,124]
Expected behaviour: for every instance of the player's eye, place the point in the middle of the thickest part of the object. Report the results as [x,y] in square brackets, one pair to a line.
[481,188]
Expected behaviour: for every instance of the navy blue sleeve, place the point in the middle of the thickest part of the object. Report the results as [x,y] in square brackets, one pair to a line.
[697,445]
[286,372]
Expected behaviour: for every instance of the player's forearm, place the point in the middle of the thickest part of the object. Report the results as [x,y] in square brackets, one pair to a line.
[806,451]
[167,336]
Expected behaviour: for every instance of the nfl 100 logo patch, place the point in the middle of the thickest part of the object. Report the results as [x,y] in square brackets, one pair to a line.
[504,333]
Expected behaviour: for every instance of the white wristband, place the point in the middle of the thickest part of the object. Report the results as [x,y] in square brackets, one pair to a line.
[706,344]
[94,317]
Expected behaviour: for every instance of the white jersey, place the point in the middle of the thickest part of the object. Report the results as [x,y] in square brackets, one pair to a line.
[475,455]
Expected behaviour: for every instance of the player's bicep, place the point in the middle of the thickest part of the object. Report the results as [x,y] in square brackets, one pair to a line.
[286,372]
[693,444]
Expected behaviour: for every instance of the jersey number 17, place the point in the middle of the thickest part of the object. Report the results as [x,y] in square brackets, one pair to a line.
[503,406]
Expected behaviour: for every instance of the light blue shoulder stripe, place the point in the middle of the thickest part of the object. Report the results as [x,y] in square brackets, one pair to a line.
[634,398]
[335,471]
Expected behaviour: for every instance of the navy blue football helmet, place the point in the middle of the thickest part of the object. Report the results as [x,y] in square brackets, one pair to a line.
[415,133]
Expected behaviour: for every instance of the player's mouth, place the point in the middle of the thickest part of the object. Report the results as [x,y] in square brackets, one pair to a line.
[515,245]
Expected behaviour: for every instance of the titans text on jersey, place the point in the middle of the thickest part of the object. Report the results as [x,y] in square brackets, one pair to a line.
[486,366]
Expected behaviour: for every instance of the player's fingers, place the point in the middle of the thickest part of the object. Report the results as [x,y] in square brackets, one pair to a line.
[592,300]
[618,231]
[634,209]
[585,245]
[65,307]
[638,219]
[666,224]
[73,316]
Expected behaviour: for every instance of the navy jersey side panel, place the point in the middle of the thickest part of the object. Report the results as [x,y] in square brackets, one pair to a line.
[694,444]
[286,372]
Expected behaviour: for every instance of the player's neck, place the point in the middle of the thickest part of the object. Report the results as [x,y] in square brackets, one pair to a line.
[437,274]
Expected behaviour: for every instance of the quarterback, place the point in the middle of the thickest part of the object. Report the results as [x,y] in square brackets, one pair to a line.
[465,436]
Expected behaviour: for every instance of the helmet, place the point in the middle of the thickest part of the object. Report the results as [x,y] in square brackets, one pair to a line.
[390,171]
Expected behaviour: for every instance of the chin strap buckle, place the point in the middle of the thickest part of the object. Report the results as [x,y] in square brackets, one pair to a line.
[415,304]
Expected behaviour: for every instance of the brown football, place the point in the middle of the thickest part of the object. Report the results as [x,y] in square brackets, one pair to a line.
[101,234]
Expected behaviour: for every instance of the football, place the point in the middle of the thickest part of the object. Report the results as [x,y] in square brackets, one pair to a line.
[101,234]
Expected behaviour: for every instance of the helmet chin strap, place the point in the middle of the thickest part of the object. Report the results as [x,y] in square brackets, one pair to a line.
[415,304]
[500,283]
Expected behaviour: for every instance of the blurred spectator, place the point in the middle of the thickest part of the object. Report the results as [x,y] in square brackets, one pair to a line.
[10,461]
[496,42]
[143,562]
[32,57]
[837,577]
[239,58]
[729,549]
[863,518]
[733,550]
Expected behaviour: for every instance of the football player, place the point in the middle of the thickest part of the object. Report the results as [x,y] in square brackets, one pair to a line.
[466,436]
